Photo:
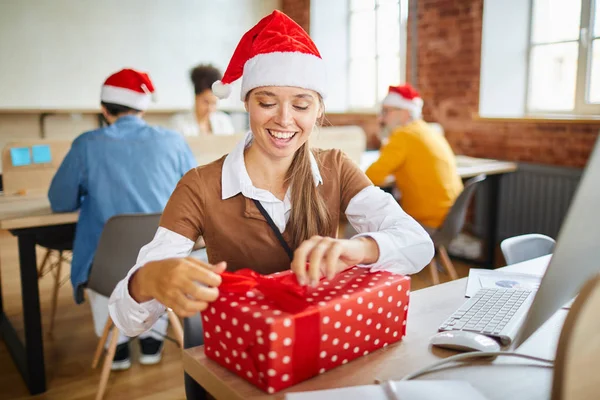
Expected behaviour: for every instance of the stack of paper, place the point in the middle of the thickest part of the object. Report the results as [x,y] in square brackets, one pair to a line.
[483,278]
[401,390]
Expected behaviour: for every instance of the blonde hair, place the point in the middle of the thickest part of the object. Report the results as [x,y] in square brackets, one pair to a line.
[309,214]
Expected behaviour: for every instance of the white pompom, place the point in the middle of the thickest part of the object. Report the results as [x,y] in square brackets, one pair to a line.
[221,90]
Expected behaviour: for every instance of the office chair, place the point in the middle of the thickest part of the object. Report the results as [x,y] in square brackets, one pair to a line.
[525,247]
[59,253]
[120,243]
[451,227]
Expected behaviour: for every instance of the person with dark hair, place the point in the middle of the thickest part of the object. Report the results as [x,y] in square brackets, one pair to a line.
[273,203]
[125,167]
[205,119]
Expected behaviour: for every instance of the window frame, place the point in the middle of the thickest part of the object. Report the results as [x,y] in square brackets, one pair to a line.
[585,41]
[403,31]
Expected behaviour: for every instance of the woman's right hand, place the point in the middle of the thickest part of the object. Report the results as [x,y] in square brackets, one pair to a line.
[185,285]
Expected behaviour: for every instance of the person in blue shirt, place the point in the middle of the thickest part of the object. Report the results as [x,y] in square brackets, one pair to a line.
[125,167]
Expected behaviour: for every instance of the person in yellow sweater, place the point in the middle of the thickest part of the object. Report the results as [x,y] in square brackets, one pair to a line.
[420,159]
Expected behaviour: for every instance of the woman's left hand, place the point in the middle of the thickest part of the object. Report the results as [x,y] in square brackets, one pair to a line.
[327,256]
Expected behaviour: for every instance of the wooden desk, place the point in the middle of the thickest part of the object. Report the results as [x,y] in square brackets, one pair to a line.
[18,212]
[24,217]
[469,167]
[428,308]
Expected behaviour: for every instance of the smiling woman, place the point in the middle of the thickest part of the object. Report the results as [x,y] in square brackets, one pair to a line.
[282,120]
[273,203]
[284,115]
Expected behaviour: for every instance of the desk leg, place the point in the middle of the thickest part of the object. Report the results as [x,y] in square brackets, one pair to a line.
[193,336]
[34,346]
[492,235]
[29,358]
[1,303]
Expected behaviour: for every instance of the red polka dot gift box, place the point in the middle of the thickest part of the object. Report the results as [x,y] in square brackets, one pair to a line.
[274,333]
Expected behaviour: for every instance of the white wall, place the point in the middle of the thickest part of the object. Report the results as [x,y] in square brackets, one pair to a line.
[504,53]
[55,54]
[328,29]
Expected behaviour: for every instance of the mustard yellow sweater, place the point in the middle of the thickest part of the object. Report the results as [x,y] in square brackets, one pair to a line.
[424,167]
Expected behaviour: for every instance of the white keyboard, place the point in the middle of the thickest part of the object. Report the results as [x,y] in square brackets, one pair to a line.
[494,312]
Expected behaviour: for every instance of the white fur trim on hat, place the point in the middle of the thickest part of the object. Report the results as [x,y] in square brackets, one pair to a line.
[395,100]
[296,69]
[125,97]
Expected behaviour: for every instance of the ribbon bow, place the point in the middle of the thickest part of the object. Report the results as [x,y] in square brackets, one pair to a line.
[282,288]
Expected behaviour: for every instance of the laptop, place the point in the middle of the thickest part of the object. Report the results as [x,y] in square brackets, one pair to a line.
[512,315]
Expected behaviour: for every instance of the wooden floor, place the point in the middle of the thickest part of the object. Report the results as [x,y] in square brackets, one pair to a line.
[69,352]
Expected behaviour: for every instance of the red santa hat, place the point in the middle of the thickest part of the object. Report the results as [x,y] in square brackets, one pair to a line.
[405,97]
[128,87]
[275,52]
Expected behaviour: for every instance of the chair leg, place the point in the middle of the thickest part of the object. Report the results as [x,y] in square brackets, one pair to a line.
[433,269]
[100,347]
[447,263]
[108,359]
[176,325]
[42,270]
[57,272]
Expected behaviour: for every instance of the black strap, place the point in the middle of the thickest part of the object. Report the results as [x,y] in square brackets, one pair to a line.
[275,229]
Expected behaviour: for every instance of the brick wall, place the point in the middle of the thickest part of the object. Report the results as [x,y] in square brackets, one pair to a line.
[449,52]
[299,11]
[448,68]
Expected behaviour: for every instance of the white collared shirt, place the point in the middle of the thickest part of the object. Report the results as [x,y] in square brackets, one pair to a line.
[404,246]
[235,179]
[186,124]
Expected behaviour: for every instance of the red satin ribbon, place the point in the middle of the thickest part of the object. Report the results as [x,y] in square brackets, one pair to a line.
[283,289]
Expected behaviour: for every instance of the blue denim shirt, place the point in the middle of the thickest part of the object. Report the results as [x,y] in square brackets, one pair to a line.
[127,167]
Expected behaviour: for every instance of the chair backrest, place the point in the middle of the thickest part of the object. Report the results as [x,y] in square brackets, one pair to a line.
[208,148]
[455,220]
[525,247]
[122,238]
[578,350]
[350,139]
[43,156]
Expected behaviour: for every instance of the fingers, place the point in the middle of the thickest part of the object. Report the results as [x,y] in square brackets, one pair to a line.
[332,259]
[197,298]
[301,257]
[202,272]
[316,257]
[220,267]
[198,292]
[186,307]
[217,268]
[322,253]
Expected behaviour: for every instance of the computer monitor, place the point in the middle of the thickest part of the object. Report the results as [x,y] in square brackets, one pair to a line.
[576,258]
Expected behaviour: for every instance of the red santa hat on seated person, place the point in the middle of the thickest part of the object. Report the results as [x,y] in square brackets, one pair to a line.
[405,97]
[275,52]
[128,87]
